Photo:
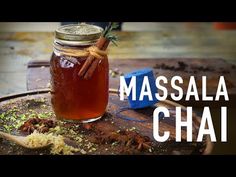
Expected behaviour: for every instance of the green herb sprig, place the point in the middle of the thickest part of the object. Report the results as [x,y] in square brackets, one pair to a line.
[107,32]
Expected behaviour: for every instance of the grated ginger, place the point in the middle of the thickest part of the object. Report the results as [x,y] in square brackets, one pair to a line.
[58,145]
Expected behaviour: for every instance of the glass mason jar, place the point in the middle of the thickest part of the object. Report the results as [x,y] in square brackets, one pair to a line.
[75,98]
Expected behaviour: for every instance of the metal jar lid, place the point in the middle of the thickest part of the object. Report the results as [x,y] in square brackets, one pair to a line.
[77,34]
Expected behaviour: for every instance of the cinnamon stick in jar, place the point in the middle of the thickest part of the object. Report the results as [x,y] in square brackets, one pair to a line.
[91,62]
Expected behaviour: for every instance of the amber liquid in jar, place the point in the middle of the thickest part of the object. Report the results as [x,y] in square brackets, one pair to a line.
[74,98]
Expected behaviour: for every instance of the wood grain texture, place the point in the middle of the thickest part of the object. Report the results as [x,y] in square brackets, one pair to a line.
[108,127]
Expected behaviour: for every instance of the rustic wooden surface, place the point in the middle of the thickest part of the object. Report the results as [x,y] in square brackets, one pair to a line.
[34,81]
[106,131]
[38,75]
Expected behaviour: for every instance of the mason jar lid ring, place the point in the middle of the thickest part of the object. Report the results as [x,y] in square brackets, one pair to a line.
[78,34]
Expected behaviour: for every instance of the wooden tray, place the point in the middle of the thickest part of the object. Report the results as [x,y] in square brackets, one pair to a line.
[109,134]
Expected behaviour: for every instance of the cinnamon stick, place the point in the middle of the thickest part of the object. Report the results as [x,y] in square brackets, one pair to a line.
[95,63]
[91,62]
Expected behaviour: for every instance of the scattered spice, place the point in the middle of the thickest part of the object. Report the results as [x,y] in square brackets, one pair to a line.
[13,118]
[106,137]
[41,125]
[123,138]
[115,72]
[182,66]
[83,151]
[115,143]
[88,126]
[132,129]
[202,68]
[74,132]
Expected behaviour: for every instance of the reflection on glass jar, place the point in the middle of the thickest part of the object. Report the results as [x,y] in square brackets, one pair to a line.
[75,98]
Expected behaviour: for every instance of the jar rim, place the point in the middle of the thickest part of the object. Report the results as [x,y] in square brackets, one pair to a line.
[78,34]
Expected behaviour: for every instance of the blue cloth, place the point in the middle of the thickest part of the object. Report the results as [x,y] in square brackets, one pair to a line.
[136,104]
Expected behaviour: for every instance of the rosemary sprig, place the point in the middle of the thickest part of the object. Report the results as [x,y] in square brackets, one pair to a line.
[107,32]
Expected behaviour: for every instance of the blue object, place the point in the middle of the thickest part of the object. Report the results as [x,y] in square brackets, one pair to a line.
[136,104]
